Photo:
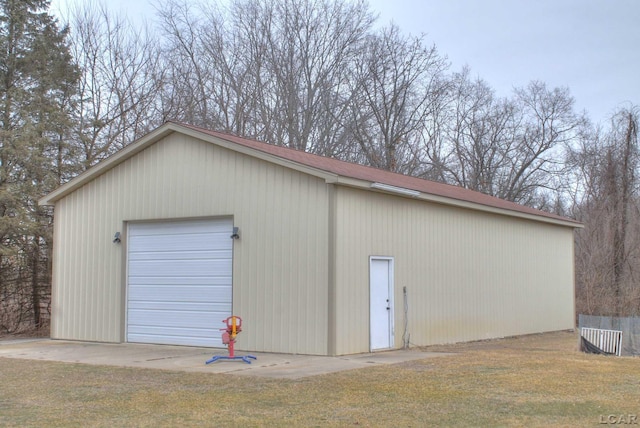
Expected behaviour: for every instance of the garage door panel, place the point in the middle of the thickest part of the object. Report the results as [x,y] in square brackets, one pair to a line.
[204,241]
[173,318]
[174,335]
[186,227]
[179,281]
[196,294]
[181,306]
[181,255]
[184,281]
[179,339]
[170,331]
[180,268]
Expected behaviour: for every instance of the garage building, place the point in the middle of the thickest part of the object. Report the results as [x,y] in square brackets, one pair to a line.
[184,227]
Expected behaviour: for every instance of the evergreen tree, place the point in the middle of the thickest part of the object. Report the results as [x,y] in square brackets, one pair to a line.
[37,81]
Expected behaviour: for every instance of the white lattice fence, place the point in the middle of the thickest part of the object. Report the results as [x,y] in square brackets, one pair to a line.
[608,340]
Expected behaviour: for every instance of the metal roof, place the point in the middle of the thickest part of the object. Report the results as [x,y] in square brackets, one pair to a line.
[333,170]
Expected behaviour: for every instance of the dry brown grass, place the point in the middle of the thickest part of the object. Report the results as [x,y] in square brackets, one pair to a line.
[529,381]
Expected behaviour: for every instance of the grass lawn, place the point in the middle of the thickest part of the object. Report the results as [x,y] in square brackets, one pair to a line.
[538,380]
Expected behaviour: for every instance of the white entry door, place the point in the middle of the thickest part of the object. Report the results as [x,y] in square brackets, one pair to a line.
[381,302]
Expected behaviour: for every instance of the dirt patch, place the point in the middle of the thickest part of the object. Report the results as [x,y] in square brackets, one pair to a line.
[553,341]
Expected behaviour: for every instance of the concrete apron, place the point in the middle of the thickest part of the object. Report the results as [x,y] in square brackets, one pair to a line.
[191,359]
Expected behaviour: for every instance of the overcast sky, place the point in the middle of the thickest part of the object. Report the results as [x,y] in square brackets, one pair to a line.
[590,46]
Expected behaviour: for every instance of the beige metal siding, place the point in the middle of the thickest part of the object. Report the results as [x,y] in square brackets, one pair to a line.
[280,261]
[469,275]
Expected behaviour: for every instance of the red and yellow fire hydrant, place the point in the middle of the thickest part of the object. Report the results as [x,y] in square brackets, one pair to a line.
[234,326]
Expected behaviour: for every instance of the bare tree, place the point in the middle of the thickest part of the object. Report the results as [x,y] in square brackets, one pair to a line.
[608,249]
[311,45]
[398,85]
[236,47]
[510,148]
[548,124]
[119,84]
[190,72]
[482,132]
[273,70]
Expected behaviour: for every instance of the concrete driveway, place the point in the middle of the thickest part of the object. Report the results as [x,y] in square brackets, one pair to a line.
[190,359]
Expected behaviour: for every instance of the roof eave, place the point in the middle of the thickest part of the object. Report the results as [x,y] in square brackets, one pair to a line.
[156,135]
[329,177]
[107,164]
[443,200]
[250,151]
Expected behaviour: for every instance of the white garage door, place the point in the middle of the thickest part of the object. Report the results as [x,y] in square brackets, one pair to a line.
[179,281]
